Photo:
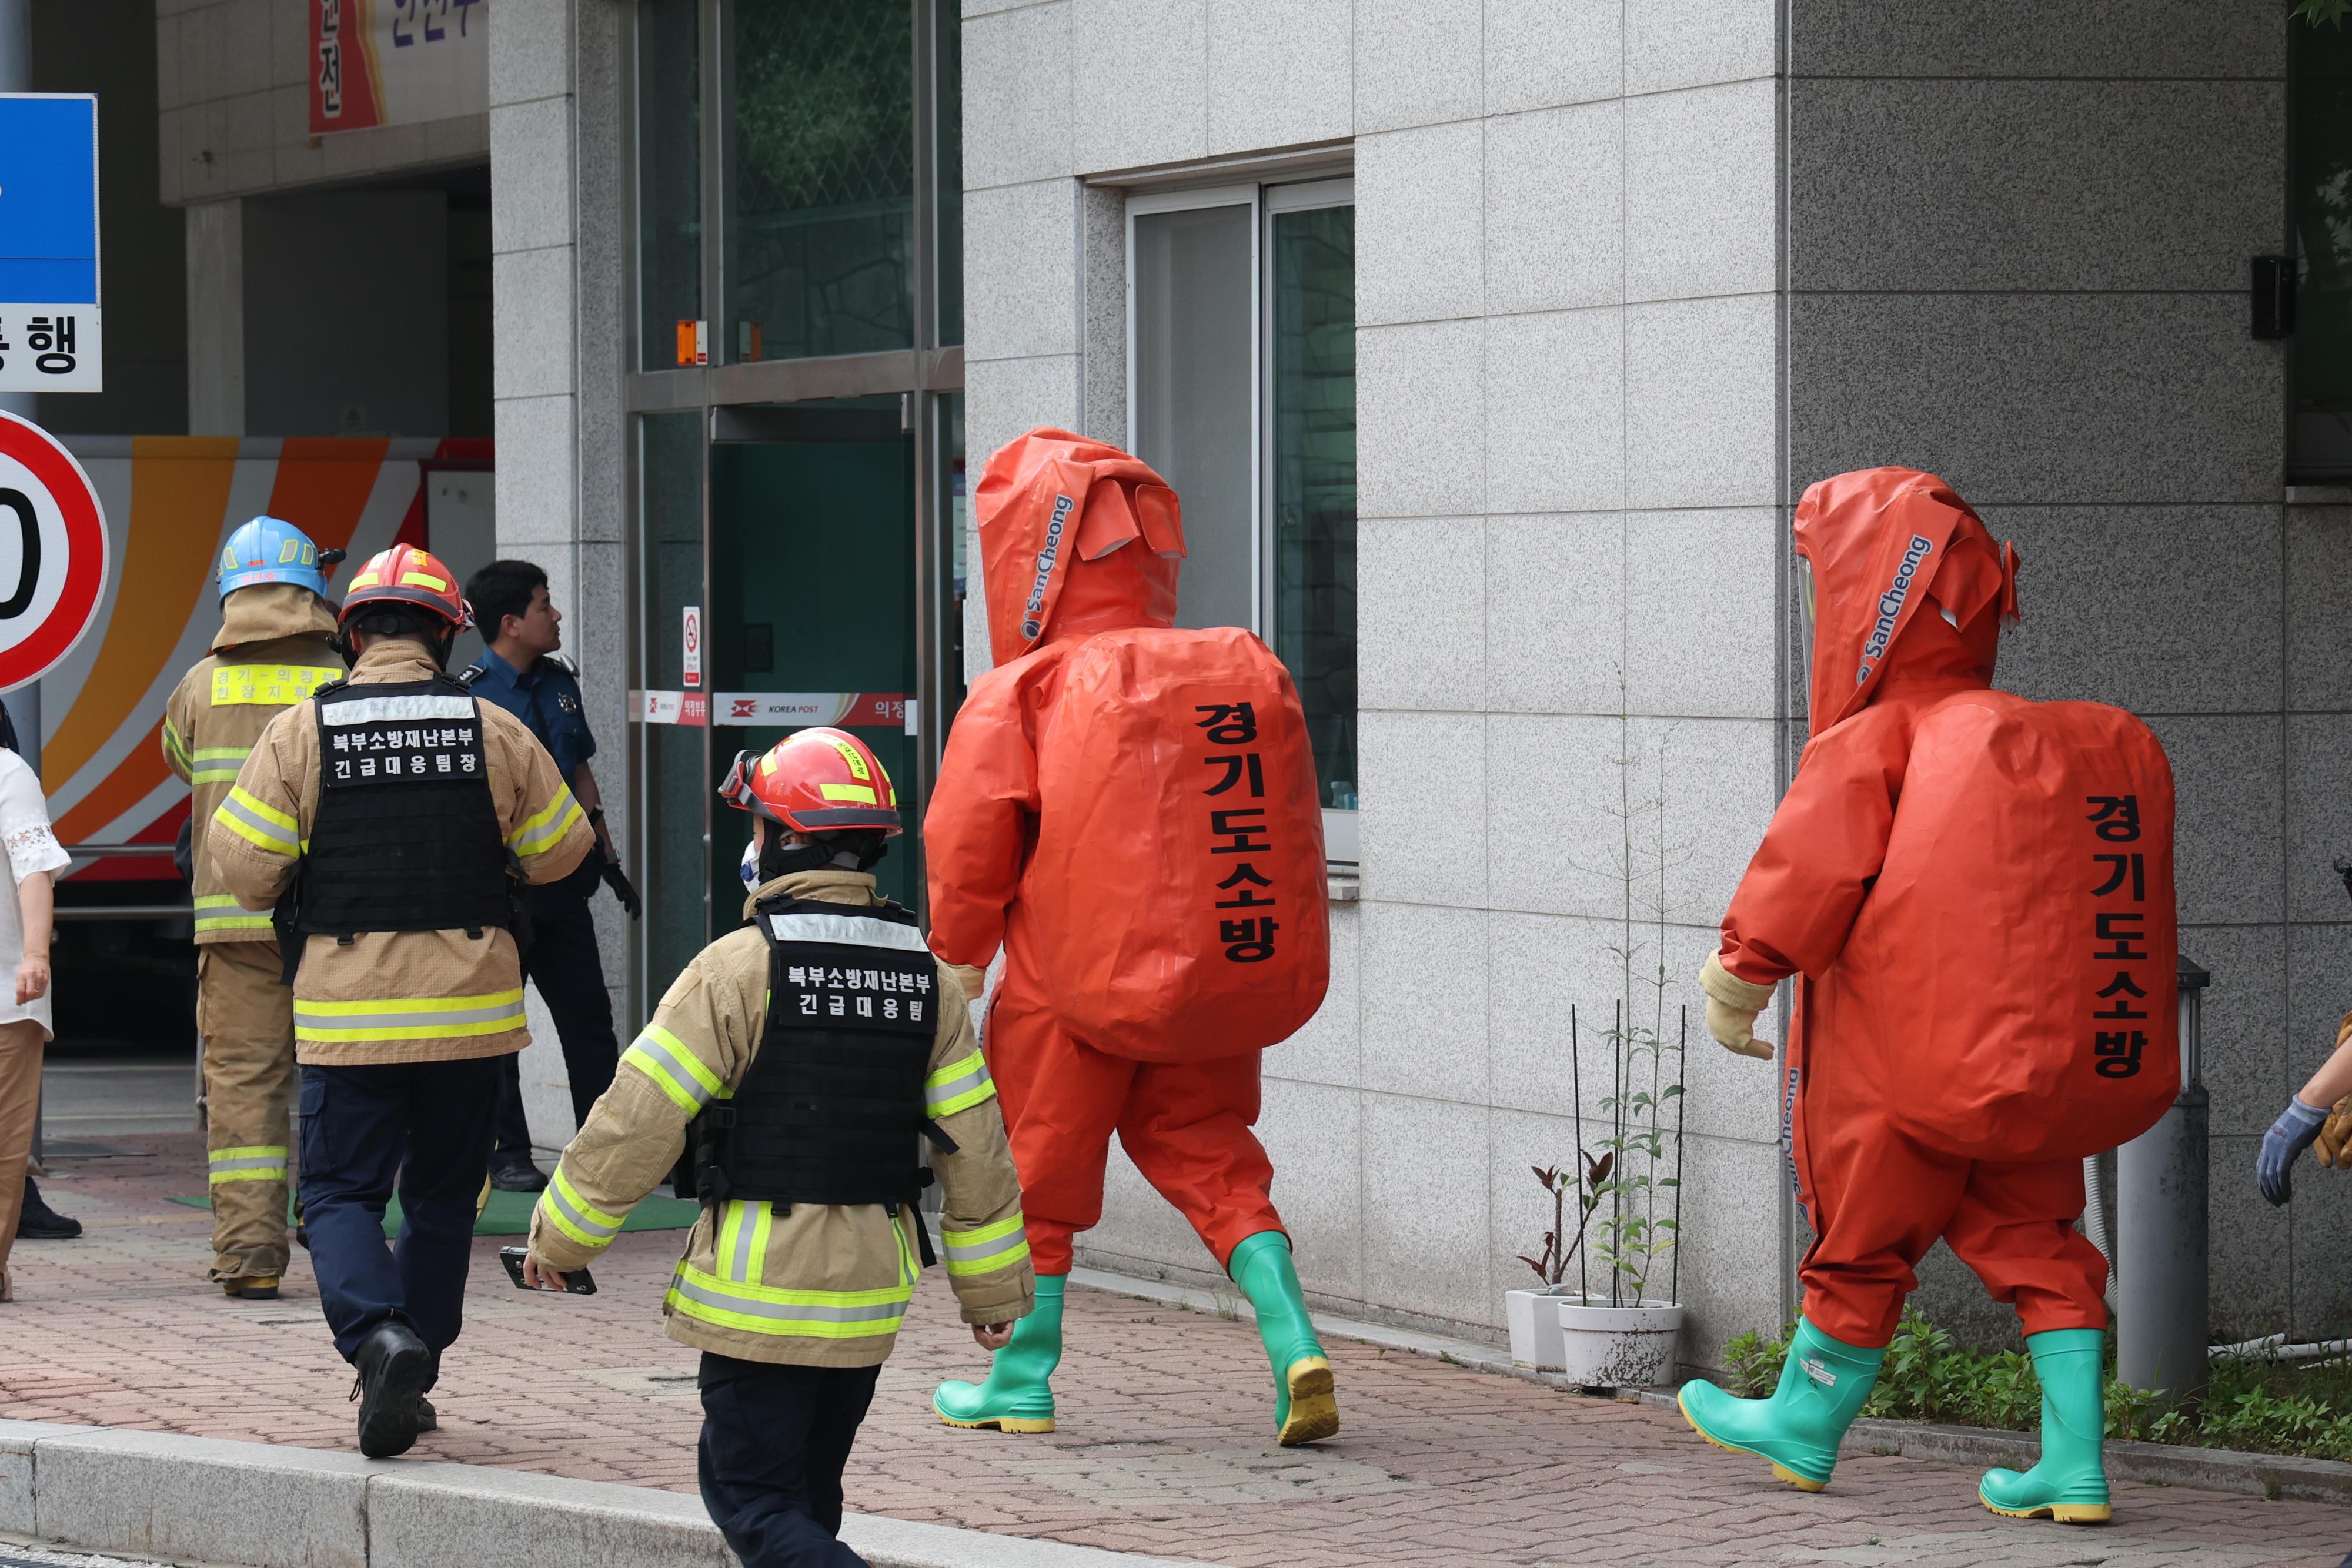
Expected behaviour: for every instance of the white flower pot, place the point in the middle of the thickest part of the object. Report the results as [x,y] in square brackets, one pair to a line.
[1535,1328]
[1604,1346]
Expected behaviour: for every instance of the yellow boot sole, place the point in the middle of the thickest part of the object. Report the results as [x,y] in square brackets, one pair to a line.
[997,1423]
[1780,1472]
[1313,1406]
[244,1286]
[2063,1512]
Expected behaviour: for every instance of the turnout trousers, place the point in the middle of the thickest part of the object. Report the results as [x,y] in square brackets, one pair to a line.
[1186,1125]
[566,965]
[1878,1200]
[425,1125]
[245,1013]
[21,1045]
[775,1439]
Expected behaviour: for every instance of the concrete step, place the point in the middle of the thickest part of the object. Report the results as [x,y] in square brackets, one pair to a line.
[258,1505]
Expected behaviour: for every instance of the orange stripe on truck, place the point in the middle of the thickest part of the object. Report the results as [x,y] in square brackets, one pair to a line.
[133,779]
[323,484]
[179,489]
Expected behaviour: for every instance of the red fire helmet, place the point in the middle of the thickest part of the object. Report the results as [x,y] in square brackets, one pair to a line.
[819,781]
[407,575]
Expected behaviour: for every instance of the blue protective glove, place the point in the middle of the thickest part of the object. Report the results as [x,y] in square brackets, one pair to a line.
[2292,1134]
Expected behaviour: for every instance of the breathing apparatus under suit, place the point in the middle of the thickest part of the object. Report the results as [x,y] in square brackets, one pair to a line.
[273,650]
[1131,811]
[1976,890]
[397,811]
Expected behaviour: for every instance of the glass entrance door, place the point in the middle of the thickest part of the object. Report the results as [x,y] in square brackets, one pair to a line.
[812,611]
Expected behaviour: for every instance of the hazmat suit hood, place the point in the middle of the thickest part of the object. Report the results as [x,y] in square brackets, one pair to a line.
[268,611]
[1059,514]
[1908,588]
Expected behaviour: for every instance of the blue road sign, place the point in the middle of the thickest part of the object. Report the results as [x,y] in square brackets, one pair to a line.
[50,337]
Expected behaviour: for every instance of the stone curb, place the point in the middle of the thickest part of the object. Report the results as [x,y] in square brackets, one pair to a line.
[207,1501]
[2273,1475]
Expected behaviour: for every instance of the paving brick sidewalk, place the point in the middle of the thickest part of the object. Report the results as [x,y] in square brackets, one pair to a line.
[1163,1446]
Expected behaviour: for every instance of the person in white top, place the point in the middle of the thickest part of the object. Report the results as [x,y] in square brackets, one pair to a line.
[34,858]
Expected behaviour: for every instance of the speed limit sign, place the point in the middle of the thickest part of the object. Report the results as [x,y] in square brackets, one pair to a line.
[53,552]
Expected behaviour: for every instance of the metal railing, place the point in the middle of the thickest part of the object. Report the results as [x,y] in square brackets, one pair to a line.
[121,911]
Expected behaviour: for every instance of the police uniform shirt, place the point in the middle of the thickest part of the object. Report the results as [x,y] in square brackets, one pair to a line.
[546,697]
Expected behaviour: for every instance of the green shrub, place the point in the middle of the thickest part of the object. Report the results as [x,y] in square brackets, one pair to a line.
[2265,1406]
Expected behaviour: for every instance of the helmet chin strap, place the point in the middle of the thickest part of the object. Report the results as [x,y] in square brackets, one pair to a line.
[439,642]
[780,859]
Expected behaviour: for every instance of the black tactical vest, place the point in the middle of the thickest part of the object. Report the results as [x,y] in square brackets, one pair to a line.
[833,1105]
[406,835]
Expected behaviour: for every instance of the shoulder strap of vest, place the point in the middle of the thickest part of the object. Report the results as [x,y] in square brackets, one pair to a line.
[784,903]
[439,683]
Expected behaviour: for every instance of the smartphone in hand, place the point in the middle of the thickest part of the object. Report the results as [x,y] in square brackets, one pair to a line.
[576,1281]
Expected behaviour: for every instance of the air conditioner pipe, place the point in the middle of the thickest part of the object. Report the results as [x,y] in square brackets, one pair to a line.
[2159,1259]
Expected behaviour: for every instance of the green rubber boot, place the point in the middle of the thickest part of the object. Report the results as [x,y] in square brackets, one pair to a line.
[1823,1385]
[2070,1483]
[1304,1409]
[1018,1395]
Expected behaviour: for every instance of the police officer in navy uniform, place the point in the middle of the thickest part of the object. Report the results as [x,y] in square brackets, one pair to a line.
[522,672]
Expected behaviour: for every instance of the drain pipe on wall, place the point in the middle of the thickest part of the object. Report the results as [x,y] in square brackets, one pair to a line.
[2159,1264]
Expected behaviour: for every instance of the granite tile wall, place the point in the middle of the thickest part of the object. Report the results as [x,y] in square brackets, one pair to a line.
[2018,251]
[1567,373]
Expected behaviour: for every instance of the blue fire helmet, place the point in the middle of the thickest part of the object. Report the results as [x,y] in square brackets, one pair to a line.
[268,550]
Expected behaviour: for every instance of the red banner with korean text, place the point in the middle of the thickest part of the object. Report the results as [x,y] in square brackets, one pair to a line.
[396,62]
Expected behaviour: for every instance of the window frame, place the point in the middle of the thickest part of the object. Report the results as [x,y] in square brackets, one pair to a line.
[1200,199]
[1266,201]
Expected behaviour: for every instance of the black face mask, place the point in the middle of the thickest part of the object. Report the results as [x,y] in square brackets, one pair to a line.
[438,642]
[779,858]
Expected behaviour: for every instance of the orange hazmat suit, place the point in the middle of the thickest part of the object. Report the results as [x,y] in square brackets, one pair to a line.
[1977,892]
[1132,813]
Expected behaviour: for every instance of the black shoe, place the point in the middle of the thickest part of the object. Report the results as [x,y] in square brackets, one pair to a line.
[394,1368]
[39,1222]
[426,1419]
[518,1176]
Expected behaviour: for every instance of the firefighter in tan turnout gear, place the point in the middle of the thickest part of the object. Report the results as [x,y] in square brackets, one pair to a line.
[808,1056]
[273,650]
[388,821]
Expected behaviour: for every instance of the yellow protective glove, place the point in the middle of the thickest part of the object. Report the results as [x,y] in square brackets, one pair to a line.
[1732,1005]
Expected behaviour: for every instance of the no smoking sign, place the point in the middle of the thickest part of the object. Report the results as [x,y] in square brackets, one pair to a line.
[53,552]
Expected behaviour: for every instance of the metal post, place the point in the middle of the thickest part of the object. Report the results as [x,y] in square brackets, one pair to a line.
[2160,1341]
[16,75]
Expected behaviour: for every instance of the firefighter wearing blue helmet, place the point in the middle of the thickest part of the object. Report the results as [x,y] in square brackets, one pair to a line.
[272,651]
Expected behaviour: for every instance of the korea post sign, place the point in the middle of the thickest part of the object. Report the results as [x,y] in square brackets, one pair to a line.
[49,326]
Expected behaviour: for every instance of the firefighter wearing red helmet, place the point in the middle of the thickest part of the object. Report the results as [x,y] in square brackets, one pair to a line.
[385,820]
[801,1057]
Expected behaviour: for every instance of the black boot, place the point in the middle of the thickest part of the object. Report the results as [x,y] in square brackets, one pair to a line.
[394,1369]
[515,1173]
[39,1222]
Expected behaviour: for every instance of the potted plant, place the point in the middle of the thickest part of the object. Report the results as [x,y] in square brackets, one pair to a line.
[1625,1333]
[1626,1337]
[1533,1314]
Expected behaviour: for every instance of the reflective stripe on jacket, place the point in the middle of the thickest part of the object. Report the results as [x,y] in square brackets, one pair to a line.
[396,995]
[271,654]
[814,1284]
